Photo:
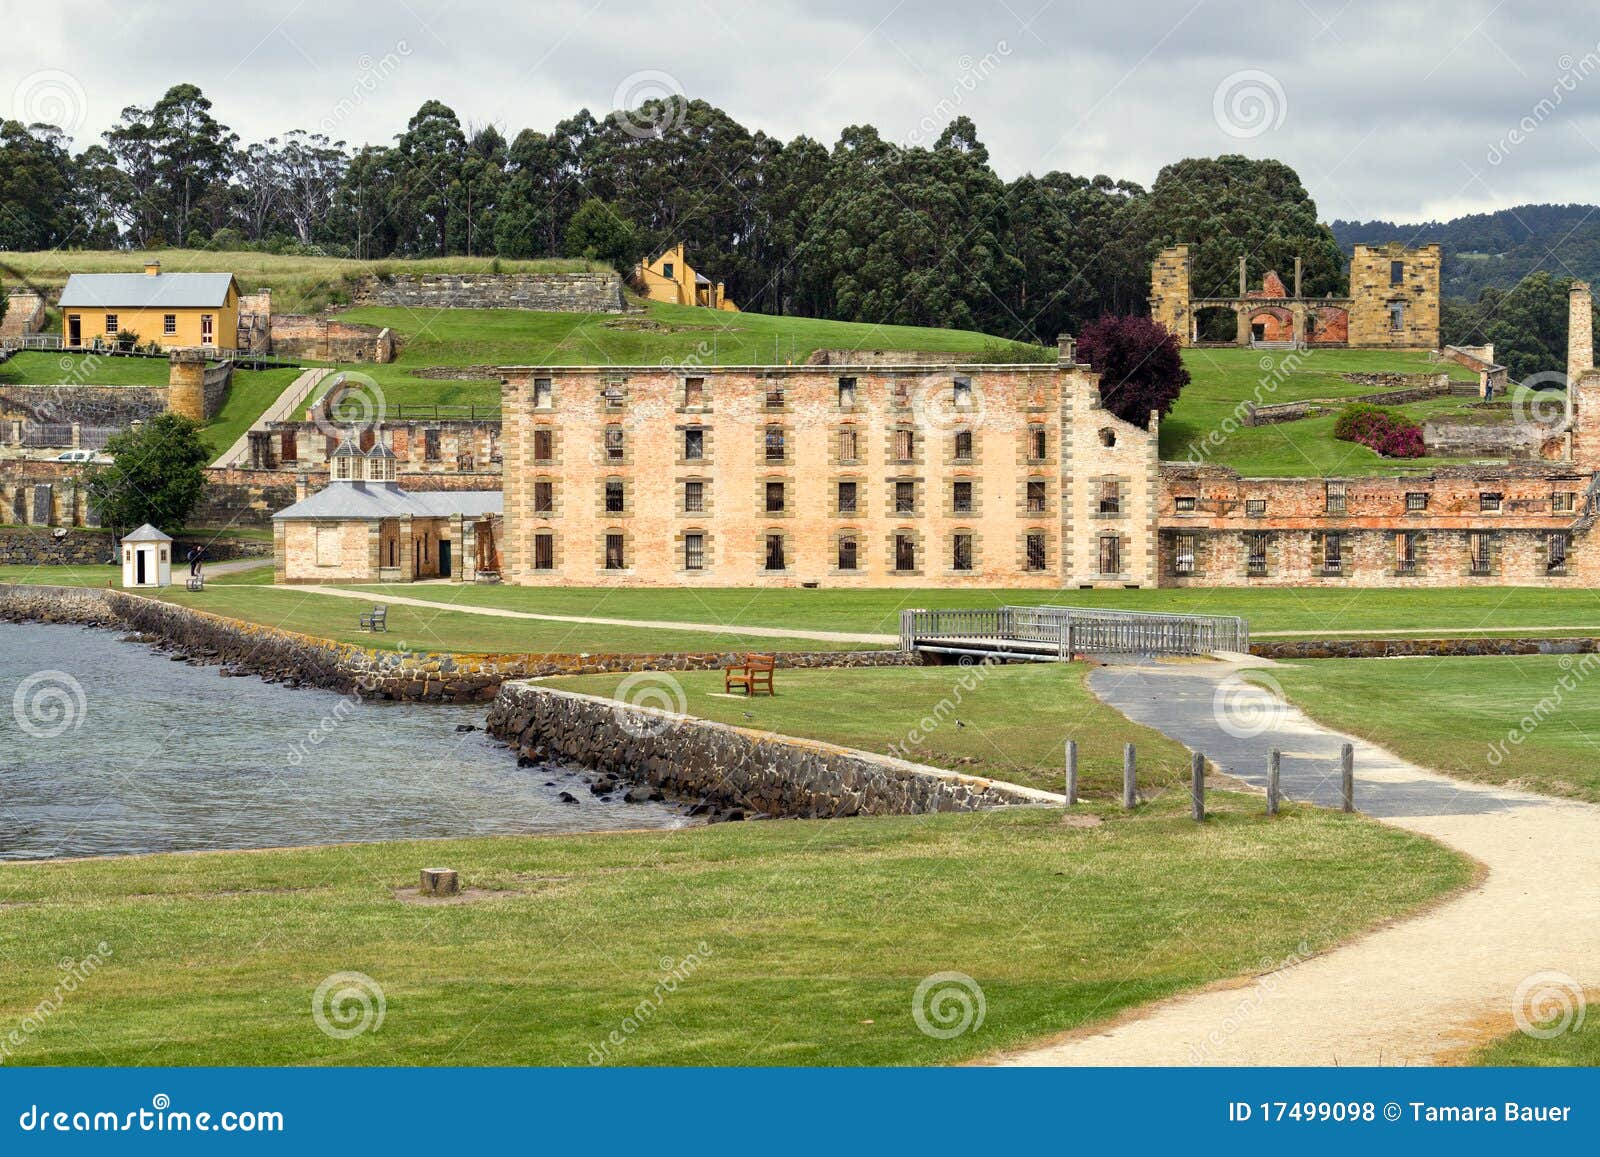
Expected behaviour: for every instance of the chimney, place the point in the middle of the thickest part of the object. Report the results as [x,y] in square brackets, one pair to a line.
[1067,349]
[152,268]
[302,487]
[1580,331]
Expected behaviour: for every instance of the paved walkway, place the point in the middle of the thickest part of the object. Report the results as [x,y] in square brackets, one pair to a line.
[1421,991]
[292,398]
[655,624]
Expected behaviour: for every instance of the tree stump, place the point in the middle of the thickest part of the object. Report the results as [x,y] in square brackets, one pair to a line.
[440,882]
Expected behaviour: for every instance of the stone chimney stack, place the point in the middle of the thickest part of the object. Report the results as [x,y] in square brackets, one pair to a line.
[1067,349]
[1580,331]
[302,487]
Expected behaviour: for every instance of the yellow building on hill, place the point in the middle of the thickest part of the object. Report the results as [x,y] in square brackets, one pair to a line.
[670,278]
[178,310]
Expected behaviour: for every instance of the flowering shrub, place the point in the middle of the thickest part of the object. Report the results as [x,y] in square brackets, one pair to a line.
[1388,432]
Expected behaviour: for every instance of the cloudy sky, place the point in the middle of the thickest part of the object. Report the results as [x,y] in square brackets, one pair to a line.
[1406,111]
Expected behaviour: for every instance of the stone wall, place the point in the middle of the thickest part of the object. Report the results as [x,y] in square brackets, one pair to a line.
[599,292]
[1373,288]
[1435,386]
[328,339]
[253,648]
[1495,437]
[25,546]
[445,445]
[1393,648]
[767,774]
[41,492]
[63,405]
[24,314]
[1169,291]
[194,389]
[843,357]
[238,497]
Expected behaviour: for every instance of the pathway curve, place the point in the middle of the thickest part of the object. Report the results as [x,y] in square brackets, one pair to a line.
[1419,991]
[288,402]
[654,624]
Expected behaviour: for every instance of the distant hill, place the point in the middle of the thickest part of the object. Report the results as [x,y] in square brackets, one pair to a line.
[1497,249]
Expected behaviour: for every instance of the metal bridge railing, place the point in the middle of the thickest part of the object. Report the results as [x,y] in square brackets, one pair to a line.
[1076,630]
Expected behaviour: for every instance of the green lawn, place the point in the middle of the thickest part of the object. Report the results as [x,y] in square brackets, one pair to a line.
[1013,720]
[1468,717]
[1224,378]
[666,333]
[38,368]
[809,939]
[1328,611]
[416,629]
[250,393]
[1577,1047]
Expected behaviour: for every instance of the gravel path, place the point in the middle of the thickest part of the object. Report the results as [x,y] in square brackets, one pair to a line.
[1420,991]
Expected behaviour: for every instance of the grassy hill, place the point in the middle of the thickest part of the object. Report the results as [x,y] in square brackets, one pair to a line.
[1203,427]
[299,284]
[663,334]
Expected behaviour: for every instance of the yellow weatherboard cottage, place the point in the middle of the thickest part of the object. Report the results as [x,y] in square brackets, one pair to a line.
[175,310]
[671,279]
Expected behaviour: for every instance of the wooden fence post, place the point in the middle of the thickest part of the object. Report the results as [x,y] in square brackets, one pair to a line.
[1347,776]
[1272,781]
[1072,772]
[1130,794]
[1197,784]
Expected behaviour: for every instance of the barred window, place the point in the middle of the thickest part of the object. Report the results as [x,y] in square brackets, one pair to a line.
[775,559]
[614,556]
[847,498]
[1110,555]
[905,552]
[1416,500]
[1256,553]
[544,552]
[774,497]
[1563,501]
[1255,507]
[614,502]
[1038,444]
[1405,552]
[694,497]
[1110,497]
[774,443]
[694,552]
[544,497]
[1332,553]
[1488,502]
[905,498]
[1036,496]
[1333,498]
[963,445]
[612,395]
[904,445]
[847,552]
[961,497]
[542,393]
[1555,560]
[1183,554]
[1034,550]
[961,552]
[543,445]
[430,445]
[614,443]
[1479,551]
[694,444]
[847,445]
[774,397]
[1184,504]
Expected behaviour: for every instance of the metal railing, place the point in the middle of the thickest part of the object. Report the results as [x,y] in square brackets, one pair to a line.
[53,343]
[1068,631]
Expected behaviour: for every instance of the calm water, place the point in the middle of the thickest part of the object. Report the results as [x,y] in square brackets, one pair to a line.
[108,747]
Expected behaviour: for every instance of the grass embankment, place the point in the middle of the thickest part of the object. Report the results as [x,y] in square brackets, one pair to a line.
[664,334]
[1577,1046]
[1527,721]
[1005,722]
[810,937]
[1223,379]
[39,368]
[1326,611]
[248,397]
[298,284]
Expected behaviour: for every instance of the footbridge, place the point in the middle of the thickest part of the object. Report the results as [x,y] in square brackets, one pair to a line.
[1058,634]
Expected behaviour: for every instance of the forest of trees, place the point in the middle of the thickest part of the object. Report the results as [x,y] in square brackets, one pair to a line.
[863,231]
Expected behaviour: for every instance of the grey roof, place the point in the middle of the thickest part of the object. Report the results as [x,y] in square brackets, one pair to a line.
[146,533]
[379,450]
[142,291]
[387,500]
[346,450]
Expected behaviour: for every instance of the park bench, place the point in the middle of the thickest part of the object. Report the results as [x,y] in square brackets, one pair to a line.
[754,674]
[377,619]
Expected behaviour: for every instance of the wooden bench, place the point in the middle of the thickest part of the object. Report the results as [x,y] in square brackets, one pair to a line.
[377,619]
[754,674]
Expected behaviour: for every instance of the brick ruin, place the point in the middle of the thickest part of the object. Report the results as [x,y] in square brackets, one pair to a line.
[1393,303]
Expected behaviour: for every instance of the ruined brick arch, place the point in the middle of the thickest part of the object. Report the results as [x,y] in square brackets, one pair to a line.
[1271,323]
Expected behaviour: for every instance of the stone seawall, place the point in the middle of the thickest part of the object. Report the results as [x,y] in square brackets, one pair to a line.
[420,676]
[736,767]
[1394,648]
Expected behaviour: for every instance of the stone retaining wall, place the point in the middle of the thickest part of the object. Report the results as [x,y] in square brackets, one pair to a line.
[556,292]
[1392,648]
[328,339]
[255,649]
[738,767]
[1437,385]
[21,546]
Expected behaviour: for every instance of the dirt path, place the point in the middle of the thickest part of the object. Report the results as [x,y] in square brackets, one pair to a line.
[655,624]
[1421,991]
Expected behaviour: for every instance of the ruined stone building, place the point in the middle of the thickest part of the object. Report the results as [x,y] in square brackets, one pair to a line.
[1393,303]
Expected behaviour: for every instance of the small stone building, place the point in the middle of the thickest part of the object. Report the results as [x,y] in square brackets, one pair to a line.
[363,528]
